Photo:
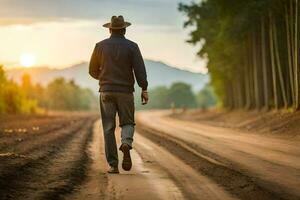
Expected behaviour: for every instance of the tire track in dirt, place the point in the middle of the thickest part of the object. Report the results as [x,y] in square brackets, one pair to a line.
[238,184]
[38,148]
[191,184]
[11,141]
[272,149]
[96,182]
[250,154]
[51,167]
[146,180]
[66,170]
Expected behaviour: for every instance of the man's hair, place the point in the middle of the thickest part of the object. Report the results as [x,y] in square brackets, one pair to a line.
[118,31]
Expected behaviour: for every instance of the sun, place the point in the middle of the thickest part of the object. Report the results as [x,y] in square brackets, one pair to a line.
[27,59]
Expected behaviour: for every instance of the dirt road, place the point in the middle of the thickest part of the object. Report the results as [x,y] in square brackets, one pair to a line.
[156,174]
[61,157]
[247,165]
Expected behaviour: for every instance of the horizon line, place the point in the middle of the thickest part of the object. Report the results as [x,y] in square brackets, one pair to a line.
[6,68]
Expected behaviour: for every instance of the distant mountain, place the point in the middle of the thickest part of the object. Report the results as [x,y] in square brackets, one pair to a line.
[158,74]
[161,74]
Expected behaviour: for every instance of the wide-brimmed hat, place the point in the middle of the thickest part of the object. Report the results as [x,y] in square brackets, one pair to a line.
[117,23]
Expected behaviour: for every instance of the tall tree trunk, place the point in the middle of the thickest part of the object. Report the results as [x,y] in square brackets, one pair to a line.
[279,69]
[264,64]
[235,94]
[289,56]
[250,72]
[296,71]
[230,102]
[246,80]
[255,76]
[273,62]
[241,89]
[292,16]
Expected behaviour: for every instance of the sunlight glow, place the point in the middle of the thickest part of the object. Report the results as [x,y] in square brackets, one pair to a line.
[27,59]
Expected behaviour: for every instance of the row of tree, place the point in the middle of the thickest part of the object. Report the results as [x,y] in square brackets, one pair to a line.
[12,98]
[57,95]
[179,95]
[253,50]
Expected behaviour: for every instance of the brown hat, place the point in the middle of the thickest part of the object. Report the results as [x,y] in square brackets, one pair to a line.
[117,23]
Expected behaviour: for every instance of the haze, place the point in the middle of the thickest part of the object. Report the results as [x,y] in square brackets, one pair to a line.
[60,33]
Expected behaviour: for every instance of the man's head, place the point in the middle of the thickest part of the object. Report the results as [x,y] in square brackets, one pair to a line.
[117,31]
[117,25]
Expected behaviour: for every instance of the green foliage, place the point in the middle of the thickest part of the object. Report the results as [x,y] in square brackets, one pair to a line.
[252,47]
[181,95]
[178,95]
[2,82]
[12,98]
[206,98]
[159,98]
[63,95]
[58,95]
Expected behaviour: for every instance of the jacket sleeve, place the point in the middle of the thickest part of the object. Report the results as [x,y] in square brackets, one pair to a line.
[139,69]
[94,68]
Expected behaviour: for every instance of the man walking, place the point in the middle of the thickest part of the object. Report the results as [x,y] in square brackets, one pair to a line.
[115,62]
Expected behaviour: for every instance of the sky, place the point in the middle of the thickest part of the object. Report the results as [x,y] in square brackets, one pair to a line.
[60,33]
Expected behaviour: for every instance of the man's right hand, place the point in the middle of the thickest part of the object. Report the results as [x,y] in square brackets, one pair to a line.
[144,97]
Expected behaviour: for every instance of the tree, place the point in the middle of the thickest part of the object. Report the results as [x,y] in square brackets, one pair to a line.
[181,95]
[67,95]
[159,98]
[253,64]
[206,98]
[178,94]
[12,97]
[2,82]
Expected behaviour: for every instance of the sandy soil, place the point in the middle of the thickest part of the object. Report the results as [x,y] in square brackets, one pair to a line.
[248,165]
[156,174]
[62,157]
[144,181]
[46,163]
[281,123]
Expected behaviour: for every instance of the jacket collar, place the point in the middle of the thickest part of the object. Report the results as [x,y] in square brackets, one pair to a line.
[116,36]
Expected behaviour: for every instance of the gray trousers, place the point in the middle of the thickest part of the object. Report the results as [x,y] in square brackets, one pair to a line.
[112,103]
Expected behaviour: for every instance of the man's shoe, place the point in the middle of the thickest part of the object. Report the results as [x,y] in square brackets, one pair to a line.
[126,164]
[113,170]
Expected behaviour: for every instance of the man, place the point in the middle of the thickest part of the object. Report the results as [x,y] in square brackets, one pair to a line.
[115,62]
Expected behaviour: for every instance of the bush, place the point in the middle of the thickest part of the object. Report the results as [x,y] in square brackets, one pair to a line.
[58,95]
[206,98]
